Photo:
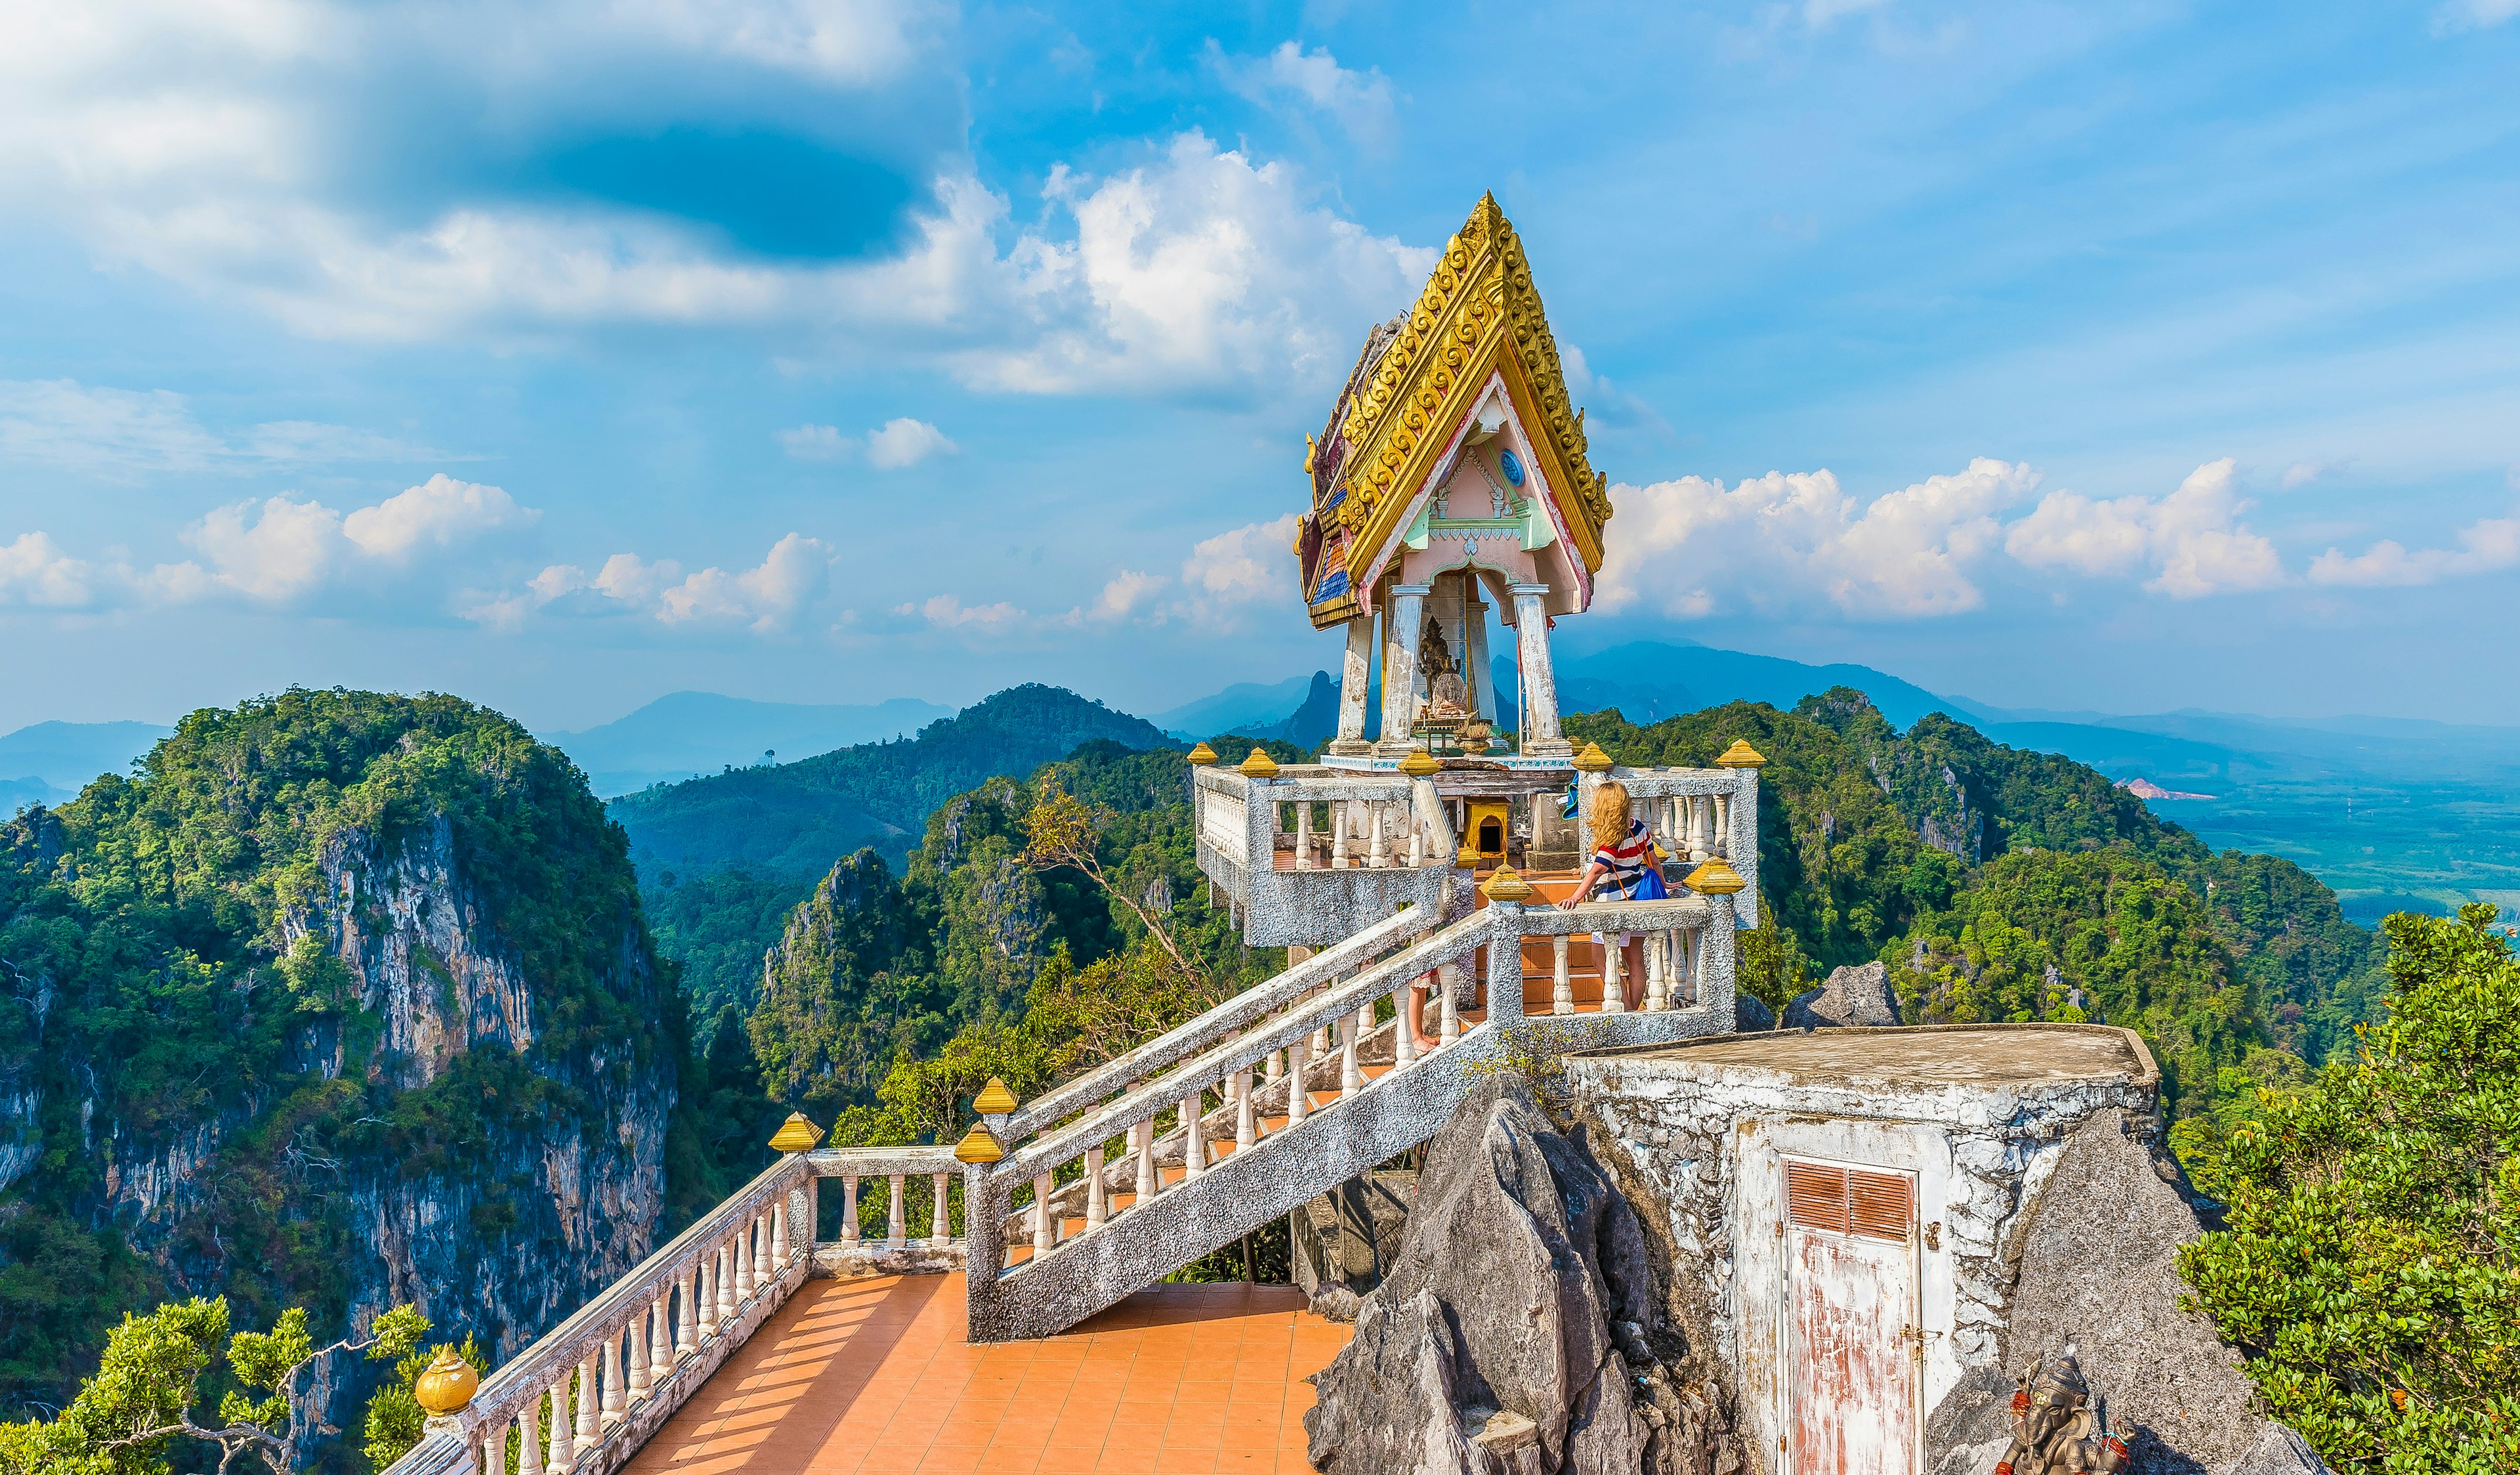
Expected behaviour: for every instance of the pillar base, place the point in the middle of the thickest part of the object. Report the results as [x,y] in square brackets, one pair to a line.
[1393,748]
[1349,747]
[1559,747]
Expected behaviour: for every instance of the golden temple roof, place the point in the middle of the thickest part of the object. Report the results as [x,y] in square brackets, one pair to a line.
[1421,375]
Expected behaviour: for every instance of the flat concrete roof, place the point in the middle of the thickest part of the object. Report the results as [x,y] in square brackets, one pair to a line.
[1918,1055]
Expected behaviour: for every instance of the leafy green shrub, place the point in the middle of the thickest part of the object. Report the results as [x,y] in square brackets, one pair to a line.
[2371,1260]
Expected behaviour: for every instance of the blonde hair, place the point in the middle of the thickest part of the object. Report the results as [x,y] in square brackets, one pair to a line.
[1609,815]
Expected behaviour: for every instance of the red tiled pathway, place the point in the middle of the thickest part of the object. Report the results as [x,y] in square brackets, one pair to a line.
[873,1377]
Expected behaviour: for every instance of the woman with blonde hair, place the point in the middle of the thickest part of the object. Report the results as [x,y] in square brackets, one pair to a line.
[1623,854]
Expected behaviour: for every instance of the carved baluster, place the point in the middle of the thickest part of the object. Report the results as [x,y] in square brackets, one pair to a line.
[741,1247]
[896,1228]
[589,1426]
[564,1448]
[1404,1035]
[1417,845]
[1561,983]
[1300,1097]
[613,1401]
[1614,993]
[527,1424]
[640,1378]
[1350,1071]
[1097,1202]
[1246,1120]
[1339,824]
[725,1278]
[1303,834]
[660,1337]
[779,1234]
[1654,972]
[1193,1139]
[687,1330]
[944,1215]
[1451,1029]
[849,1210]
[1377,854]
[1045,1228]
[1142,1137]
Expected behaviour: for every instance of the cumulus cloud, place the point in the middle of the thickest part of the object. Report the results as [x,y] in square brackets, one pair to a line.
[2192,539]
[2485,545]
[905,442]
[35,573]
[817,443]
[1129,592]
[766,599]
[439,513]
[1693,547]
[1361,102]
[948,612]
[1232,572]
[234,148]
[122,434]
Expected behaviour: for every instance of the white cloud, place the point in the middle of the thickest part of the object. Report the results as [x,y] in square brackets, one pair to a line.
[234,148]
[947,612]
[2303,473]
[817,443]
[905,442]
[34,572]
[439,513]
[1691,547]
[1361,101]
[1127,593]
[121,434]
[766,599]
[1228,574]
[2192,539]
[2485,545]
[272,552]
[2474,14]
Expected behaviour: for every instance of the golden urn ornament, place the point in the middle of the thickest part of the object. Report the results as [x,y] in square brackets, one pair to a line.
[1258,765]
[1506,886]
[795,1134]
[1201,755]
[1591,760]
[445,1387]
[1420,762]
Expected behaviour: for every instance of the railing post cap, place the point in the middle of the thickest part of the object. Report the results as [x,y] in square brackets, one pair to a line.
[1506,886]
[1201,755]
[980,1145]
[1591,760]
[795,1134]
[994,1099]
[1420,762]
[1257,764]
[1741,756]
[1715,878]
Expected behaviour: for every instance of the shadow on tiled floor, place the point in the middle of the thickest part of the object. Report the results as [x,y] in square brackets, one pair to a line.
[872,1377]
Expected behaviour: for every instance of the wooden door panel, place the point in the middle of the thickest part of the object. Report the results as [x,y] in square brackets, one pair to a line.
[1851,1291]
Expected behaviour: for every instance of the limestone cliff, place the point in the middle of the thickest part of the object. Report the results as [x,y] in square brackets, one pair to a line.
[344,1001]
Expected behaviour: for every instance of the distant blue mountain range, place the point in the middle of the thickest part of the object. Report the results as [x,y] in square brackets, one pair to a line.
[690,734]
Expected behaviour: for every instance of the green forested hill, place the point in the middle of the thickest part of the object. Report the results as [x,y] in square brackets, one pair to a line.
[1997,883]
[721,860]
[328,960]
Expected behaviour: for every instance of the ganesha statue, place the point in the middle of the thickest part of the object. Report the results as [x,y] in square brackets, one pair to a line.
[2053,1427]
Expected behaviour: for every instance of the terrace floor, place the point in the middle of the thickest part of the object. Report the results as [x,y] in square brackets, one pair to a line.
[870,1376]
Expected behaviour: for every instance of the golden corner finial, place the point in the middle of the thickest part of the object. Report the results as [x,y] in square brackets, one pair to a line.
[978,1145]
[795,1134]
[1715,878]
[1506,885]
[1741,756]
[446,1386]
[1201,755]
[994,1100]
[1257,764]
[1420,762]
[1591,760]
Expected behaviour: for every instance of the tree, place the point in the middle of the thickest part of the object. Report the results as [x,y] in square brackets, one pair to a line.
[141,1400]
[396,1420]
[2371,1260]
[1064,831]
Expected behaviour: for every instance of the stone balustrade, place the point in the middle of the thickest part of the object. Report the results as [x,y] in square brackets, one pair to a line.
[1701,814]
[925,1246]
[1312,854]
[581,1399]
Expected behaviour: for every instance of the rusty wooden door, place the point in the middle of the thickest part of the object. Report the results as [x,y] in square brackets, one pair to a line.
[1851,1371]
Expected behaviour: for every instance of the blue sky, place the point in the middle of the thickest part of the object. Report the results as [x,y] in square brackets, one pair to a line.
[2127,357]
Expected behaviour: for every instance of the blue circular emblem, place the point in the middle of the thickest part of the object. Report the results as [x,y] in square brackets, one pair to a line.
[1513,466]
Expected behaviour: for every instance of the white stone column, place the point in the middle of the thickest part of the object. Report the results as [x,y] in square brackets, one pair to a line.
[1408,610]
[1474,656]
[1356,675]
[1540,735]
[942,1219]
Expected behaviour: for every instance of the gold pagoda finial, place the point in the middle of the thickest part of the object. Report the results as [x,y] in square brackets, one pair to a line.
[1257,764]
[978,1145]
[1420,762]
[994,1100]
[1593,760]
[446,1385]
[1201,755]
[1506,886]
[1715,878]
[795,1134]
[1741,756]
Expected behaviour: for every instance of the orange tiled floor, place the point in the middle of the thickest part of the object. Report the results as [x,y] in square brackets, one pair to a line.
[872,1376]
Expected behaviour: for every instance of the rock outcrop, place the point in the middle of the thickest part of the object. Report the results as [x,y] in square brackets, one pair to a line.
[1519,1330]
[2098,1275]
[1855,994]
